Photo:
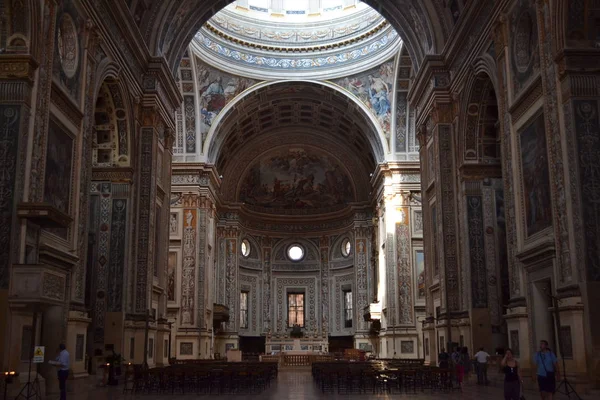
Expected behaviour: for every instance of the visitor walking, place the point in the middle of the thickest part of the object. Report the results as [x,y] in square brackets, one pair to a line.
[547,370]
[482,358]
[512,381]
[63,362]
[459,367]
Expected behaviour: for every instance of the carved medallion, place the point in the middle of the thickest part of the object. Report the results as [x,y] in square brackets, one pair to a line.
[68,46]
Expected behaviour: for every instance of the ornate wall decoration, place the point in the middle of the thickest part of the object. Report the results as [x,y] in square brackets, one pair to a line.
[407,347]
[325,289]
[189,108]
[361,282]
[202,232]
[524,50]
[68,54]
[116,264]
[266,292]
[43,104]
[405,277]
[587,128]
[310,301]
[374,89]
[122,127]
[390,280]
[494,260]
[145,221]
[188,269]
[10,118]
[508,197]
[536,176]
[448,215]
[567,342]
[231,270]
[186,348]
[401,122]
[178,147]
[53,287]
[298,178]
[477,256]
[417,223]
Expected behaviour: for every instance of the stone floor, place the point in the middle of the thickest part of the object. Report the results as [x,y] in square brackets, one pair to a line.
[297,384]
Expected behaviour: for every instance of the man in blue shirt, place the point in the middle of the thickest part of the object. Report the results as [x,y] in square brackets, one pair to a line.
[63,362]
[547,370]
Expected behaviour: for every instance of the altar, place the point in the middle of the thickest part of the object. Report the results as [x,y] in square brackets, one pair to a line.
[296,346]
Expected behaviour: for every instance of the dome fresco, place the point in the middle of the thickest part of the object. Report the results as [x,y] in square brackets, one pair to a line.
[257,42]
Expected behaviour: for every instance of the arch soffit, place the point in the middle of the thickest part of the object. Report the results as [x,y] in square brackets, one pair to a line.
[484,77]
[109,73]
[412,19]
[215,142]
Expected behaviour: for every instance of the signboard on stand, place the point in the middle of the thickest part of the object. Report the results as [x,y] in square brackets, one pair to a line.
[38,354]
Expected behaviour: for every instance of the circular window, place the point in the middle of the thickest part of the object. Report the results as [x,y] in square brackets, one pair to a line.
[346,247]
[245,248]
[68,46]
[295,252]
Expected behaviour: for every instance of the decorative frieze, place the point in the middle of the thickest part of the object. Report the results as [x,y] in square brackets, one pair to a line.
[405,276]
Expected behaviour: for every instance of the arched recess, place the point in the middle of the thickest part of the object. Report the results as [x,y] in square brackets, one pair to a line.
[479,142]
[22,22]
[228,118]
[420,23]
[111,141]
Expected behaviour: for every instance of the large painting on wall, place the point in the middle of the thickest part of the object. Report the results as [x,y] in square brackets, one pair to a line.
[420,267]
[374,89]
[59,157]
[536,176]
[296,178]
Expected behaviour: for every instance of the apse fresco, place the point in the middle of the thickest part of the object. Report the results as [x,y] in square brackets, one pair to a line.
[536,177]
[374,89]
[297,178]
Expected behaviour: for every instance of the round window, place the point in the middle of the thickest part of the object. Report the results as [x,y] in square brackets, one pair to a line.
[346,247]
[295,252]
[245,248]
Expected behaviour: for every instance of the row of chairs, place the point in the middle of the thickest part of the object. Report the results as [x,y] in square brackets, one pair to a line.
[379,377]
[210,378]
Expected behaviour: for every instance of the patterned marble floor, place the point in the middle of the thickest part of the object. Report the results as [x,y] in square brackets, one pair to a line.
[298,385]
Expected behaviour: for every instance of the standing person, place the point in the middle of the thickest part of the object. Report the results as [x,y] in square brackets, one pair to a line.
[464,352]
[458,366]
[512,381]
[482,359]
[63,362]
[547,370]
[443,357]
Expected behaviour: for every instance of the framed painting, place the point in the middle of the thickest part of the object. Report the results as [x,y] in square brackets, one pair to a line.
[535,176]
[59,163]
[419,263]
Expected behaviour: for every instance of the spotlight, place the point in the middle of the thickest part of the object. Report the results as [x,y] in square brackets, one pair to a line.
[220,176]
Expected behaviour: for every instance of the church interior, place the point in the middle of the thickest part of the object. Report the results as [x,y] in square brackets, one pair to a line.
[189,180]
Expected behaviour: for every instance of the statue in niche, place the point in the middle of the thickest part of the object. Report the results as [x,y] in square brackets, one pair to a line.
[188,218]
[173,224]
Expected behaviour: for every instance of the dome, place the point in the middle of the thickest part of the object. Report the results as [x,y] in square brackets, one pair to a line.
[257,39]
